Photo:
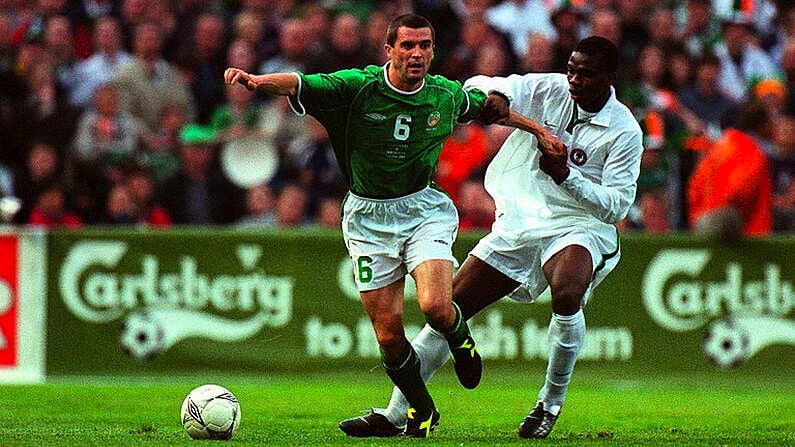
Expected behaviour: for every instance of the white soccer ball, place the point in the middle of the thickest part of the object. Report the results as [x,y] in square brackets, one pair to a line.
[210,412]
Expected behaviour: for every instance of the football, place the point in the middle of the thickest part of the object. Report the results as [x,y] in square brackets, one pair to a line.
[210,412]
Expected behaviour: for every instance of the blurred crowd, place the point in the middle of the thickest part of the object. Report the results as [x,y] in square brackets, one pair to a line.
[114,112]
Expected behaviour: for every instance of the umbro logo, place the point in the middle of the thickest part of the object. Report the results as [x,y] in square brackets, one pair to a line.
[375,116]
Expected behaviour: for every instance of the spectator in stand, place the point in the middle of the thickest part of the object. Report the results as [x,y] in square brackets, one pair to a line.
[44,112]
[98,69]
[119,207]
[198,194]
[788,66]
[249,28]
[704,98]
[209,49]
[241,54]
[634,16]
[494,59]
[540,57]
[569,22]
[743,62]
[59,43]
[132,13]
[161,147]
[149,82]
[460,62]
[42,167]
[293,49]
[605,22]
[107,137]
[662,27]
[518,19]
[51,209]
[375,30]
[292,207]
[318,170]
[783,173]
[141,186]
[700,31]
[106,131]
[329,212]
[260,208]
[730,193]
[466,150]
[475,206]
[346,49]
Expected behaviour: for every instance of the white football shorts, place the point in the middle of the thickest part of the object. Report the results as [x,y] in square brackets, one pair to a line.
[523,260]
[388,238]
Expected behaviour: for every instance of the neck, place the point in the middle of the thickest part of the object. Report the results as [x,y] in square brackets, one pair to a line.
[596,105]
[394,79]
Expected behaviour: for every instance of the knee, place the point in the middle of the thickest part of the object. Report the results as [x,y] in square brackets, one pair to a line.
[438,313]
[567,300]
[392,343]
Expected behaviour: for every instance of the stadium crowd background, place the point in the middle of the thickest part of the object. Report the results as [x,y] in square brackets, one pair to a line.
[114,112]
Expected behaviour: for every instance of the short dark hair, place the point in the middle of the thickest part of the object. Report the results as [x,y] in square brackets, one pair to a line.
[413,21]
[601,49]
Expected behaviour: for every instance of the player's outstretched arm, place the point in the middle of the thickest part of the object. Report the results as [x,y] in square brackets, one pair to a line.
[277,84]
[547,142]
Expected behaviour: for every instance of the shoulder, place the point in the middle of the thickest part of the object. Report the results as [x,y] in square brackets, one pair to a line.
[441,81]
[623,121]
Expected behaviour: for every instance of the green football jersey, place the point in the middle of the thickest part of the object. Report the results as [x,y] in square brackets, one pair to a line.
[387,142]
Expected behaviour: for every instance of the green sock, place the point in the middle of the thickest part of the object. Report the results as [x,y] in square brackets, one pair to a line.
[458,332]
[405,374]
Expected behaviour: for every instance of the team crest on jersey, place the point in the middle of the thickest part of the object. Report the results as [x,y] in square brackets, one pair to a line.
[433,118]
[578,156]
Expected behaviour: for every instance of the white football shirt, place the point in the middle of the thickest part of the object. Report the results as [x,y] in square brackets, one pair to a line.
[604,160]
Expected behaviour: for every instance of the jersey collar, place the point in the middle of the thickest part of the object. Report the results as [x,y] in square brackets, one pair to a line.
[397,90]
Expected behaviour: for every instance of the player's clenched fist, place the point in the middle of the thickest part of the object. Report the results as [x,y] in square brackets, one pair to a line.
[232,75]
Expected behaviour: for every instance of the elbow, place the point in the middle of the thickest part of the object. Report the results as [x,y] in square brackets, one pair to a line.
[616,213]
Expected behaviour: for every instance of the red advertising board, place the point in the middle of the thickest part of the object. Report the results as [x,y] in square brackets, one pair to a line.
[8,300]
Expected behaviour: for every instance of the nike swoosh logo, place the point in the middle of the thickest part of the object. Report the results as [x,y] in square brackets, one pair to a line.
[548,124]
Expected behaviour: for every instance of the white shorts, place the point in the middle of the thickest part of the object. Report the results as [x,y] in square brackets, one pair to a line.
[388,238]
[523,261]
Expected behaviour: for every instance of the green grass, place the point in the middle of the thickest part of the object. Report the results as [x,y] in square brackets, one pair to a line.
[603,408]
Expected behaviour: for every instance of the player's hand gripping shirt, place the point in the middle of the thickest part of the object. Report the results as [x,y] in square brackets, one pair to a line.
[603,156]
[387,142]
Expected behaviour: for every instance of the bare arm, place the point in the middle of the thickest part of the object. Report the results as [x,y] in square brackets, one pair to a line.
[278,84]
[547,142]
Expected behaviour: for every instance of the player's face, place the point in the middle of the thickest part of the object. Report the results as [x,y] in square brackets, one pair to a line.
[411,57]
[589,82]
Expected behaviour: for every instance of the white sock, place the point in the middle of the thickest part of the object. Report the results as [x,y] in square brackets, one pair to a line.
[566,335]
[433,351]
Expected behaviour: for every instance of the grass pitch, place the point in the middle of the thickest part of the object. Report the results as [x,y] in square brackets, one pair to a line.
[603,408]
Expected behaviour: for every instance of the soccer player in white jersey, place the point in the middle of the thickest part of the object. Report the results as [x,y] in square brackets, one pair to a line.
[557,203]
[387,125]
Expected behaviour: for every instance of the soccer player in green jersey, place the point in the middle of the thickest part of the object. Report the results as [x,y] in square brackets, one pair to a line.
[387,126]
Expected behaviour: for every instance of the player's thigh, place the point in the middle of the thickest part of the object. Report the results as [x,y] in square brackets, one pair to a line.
[433,220]
[434,280]
[580,259]
[517,259]
[477,284]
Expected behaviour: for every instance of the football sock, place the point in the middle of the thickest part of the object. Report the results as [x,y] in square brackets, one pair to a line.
[457,333]
[405,374]
[431,347]
[566,334]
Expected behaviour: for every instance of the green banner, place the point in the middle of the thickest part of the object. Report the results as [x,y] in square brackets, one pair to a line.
[139,302]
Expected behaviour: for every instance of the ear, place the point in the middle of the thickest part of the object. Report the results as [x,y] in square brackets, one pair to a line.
[388,48]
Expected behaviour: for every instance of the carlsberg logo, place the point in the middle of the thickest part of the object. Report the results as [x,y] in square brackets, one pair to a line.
[94,292]
[689,303]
